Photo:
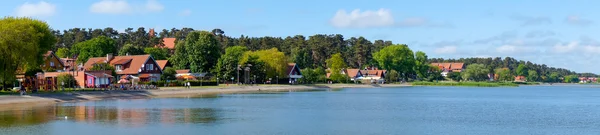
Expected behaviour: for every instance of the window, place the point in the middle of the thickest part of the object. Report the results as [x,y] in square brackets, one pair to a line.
[118,67]
[149,67]
[51,64]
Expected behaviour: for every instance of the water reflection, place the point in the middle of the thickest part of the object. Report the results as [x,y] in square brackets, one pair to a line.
[123,117]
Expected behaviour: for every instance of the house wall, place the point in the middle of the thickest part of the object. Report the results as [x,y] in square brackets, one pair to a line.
[155,68]
[90,81]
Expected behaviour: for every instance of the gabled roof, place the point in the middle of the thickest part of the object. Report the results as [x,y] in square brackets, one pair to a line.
[291,67]
[352,73]
[457,66]
[169,42]
[162,63]
[51,53]
[135,65]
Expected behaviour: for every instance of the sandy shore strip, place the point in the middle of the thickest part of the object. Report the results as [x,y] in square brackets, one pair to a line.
[36,99]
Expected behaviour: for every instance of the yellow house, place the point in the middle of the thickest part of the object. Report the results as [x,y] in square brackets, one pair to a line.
[52,63]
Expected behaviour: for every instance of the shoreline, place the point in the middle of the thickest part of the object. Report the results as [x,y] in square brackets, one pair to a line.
[9,101]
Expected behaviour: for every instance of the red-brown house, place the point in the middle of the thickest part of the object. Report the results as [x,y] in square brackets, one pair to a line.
[142,66]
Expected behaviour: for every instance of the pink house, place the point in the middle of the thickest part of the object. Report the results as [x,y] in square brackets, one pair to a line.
[97,79]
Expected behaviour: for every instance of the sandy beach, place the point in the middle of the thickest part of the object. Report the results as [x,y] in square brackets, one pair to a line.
[8,101]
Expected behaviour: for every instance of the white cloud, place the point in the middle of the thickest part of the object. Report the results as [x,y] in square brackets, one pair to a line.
[578,21]
[124,7]
[111,7]
[154,6]
[560,48]
[186,12]
[446,50]
[362,19]
[42,9]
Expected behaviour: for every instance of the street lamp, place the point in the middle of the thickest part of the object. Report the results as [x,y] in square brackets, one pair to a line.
[217,81]
[63,85]
[277,80]
[238,74]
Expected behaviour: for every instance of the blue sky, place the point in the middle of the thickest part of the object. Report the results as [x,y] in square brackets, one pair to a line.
[558,33]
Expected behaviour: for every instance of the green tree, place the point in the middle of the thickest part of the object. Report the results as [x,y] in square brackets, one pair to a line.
[169,74]
[96,47]
[533,76]
[68,79]
[455,76]
[179,59]
[311,76]
[276,62]
[572,79]
[475,72]
[554,77]
[63,53]
[434,73]
[522,70]
[202,51]
[421,65]
[131,50]
[228,63]
[23,42]
[157,53]
[257,69]
[336,64]
[396,57]
[504,74]
[302,57]
[392,76]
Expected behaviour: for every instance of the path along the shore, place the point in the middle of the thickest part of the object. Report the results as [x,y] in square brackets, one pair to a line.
[36,99]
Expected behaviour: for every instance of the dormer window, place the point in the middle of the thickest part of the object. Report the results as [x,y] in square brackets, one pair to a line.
[118,67]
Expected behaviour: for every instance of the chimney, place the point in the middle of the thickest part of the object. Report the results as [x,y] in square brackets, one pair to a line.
[109,57]
[151,33]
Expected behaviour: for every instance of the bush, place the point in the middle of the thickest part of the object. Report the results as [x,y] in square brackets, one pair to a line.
[68,79]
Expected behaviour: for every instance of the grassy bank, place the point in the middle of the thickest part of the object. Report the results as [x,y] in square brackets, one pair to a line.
[468,84]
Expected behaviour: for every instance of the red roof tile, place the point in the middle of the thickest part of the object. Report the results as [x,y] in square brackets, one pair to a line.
[162,63]
[169,42]
[135,65]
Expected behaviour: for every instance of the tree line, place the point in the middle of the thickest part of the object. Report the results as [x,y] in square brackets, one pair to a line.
[214,51]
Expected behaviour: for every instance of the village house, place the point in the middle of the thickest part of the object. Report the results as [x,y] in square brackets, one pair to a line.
[52,63]
[368,75]
[587,79]
[449,67]
[293,73]
[520,79]
[143,67]
[373,75]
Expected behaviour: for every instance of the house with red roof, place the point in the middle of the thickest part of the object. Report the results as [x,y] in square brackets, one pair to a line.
[143,67]
[170,44]
[449,67]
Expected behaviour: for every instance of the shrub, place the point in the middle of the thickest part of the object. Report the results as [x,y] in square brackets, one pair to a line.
[68,79]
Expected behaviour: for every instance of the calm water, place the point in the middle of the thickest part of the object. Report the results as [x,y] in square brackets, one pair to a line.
[413,110]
